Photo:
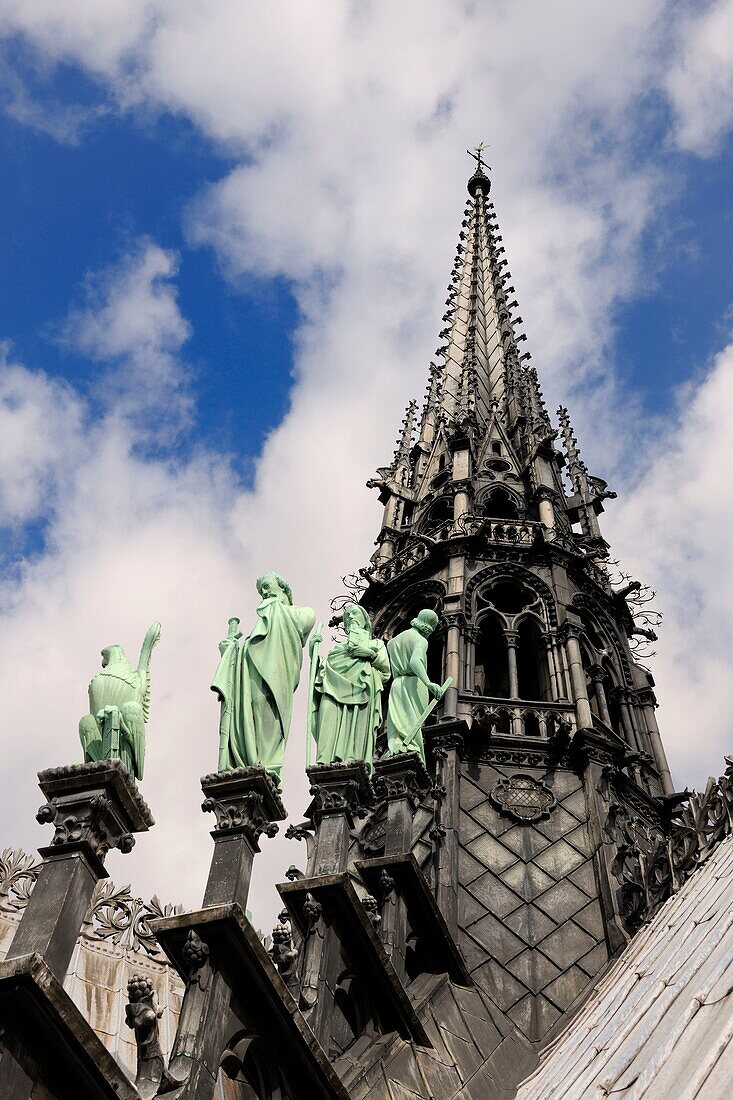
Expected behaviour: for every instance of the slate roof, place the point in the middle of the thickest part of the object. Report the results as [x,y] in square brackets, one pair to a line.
[659,1023]
[476,1053]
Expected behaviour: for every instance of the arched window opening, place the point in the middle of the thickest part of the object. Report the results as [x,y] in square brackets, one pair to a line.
[250,1071]
[353,1013]
[496,447]
[491,667]
[590,684]
[503,722]
[510,597]
[441,512]
[532,671]
[406,513]
[441,462]
[612,699]
[500,504]
[531,724]
[592,634]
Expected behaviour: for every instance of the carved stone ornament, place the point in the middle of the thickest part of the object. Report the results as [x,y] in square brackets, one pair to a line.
[243,799]
[114,915]
[93,807]
[142,1015]
[401,776]
[195,955]
[311,910]
[441,742]
[18,874]
[283,952]
[339,789]
[372,833]
[523,798]
[371,905]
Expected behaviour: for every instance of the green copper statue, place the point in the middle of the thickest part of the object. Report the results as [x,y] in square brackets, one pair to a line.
[346,703]
[257,677]
[119,702]
[409,697]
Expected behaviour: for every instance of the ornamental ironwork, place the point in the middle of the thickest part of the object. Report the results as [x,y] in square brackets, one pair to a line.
[523,798]
[652,864]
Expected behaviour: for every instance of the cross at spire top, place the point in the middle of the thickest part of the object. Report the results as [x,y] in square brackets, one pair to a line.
[477,155]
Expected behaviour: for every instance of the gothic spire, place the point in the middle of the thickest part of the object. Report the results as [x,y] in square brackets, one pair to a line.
[479,345]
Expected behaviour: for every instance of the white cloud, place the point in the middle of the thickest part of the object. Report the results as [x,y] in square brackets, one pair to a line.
[131,319]
[39,431]
[348,122]
[674,527]
[700,83]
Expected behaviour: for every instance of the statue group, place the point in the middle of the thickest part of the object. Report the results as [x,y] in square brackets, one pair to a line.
[256,680]
[258,674]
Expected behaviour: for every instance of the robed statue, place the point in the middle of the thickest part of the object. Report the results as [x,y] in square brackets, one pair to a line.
[346,692]
[411,691]
[119,705]
[257,677]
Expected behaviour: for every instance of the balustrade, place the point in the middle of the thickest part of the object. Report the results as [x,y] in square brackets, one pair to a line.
[519,533]
[543,720]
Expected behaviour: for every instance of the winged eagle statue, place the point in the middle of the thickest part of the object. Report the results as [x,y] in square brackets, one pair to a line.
[119,704]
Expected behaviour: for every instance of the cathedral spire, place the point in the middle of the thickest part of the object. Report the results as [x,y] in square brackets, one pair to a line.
[546,706]
[479,347]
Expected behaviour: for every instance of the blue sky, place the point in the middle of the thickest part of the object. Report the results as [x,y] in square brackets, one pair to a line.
[675,323]
[226,233]
[70,209]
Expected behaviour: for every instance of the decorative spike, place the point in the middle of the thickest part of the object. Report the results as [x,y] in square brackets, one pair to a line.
[404,443]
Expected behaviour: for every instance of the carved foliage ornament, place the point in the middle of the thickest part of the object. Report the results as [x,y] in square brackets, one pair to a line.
[114,915]
[85,820]
[523,798]
[244,812]
[18,874]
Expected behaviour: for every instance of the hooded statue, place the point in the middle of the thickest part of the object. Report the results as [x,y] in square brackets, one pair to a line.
[119,704]
[347,699]
[257,678]
[411,688]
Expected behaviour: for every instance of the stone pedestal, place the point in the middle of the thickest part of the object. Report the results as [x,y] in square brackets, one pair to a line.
[47,1047]
[445,743]
[402,781]
[93,807]
[340,793]
[246,804]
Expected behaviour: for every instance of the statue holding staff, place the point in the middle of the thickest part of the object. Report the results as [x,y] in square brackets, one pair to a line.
[346,704]
[257,678]
[410,694]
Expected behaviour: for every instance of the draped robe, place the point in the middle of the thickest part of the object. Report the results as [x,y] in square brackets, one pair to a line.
[348,694]
[255,681]
[408,696]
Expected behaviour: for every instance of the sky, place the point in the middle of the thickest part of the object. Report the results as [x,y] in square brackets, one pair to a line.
[226,234]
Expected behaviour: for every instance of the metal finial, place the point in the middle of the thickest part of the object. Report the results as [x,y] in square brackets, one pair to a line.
[478,157]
